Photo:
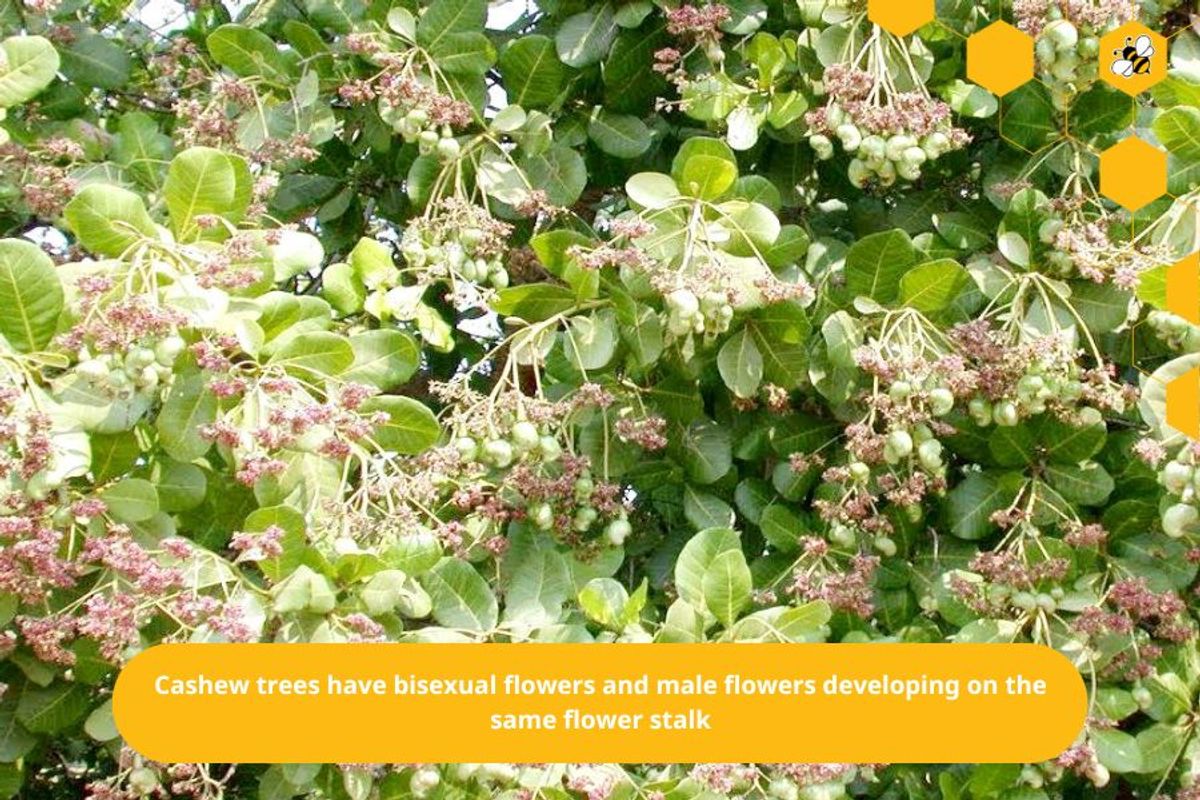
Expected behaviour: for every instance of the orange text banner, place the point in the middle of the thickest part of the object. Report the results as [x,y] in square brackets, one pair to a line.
[388,703]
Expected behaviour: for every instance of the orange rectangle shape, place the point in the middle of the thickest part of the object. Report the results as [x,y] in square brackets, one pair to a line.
[389,703]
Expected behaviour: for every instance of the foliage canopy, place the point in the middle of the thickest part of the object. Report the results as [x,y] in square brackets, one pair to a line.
[346,320]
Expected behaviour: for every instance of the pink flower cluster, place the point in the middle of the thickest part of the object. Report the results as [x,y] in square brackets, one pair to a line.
[117,327]
[257,546]
[1097,15]
[648,433]
[402,91]
[117,551]
[697,21]
[723,778]
[850,590]
[291,414]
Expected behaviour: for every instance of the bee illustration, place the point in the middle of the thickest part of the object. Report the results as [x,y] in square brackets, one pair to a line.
[1134,57]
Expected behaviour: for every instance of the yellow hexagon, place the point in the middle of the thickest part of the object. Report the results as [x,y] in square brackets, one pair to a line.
[1183,288]
[1133,173]
[900,17]
[1183,404]
[1000,58]
[1133,58]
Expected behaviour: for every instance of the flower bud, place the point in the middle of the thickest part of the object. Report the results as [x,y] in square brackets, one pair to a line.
[1180,519]
[851,137]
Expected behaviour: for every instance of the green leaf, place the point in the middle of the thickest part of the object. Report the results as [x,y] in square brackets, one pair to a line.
[468,52]
[753,227]
[706,451]
[1161,561]
[726,586]
[1028,118]
[632,14]
[553,250]
[52,709]
[758,189]
[141,148]
[1013,446]
[31,295]
[28,67]
[586,37]
[969,100]
[988,631]
[652,190]
[695,559]
[180,486]
[131,500]
[1117,750]
[411,428]
[591,341]
[704,168]
[447,17]
[781,332]
[108,220]
[533,75]
[619,135]
[383,358]
[782,527]
[343,289]
[1102,306]
[189,405]
[705,510]
[1102,111]
[630,82]
[382,591]
[1170,696]
[741,364]
[1115,704]
[12,779]
[970,504]
[203,181]
[535,579]
[875,264]
[274,785]
[603,600]
[534,302]
[1160,745]
[248,53]
[745,17]
[320,354]
[93,60]
[933,287]
[963,231]
[644,336]
[559,171]
[1070,444]
[461,597]
[1087,484]
[372,263]
[1178,130]
[100,724]
[15,741]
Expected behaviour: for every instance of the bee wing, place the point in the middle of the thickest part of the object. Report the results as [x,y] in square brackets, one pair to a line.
[1145,47]
[1123,68]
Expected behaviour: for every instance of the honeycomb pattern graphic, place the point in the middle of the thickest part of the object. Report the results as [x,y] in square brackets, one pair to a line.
[1183,288]
[1183,404]
[1000,58]
[1183,299]
[1138,73]
[1133,173]
[900,17]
